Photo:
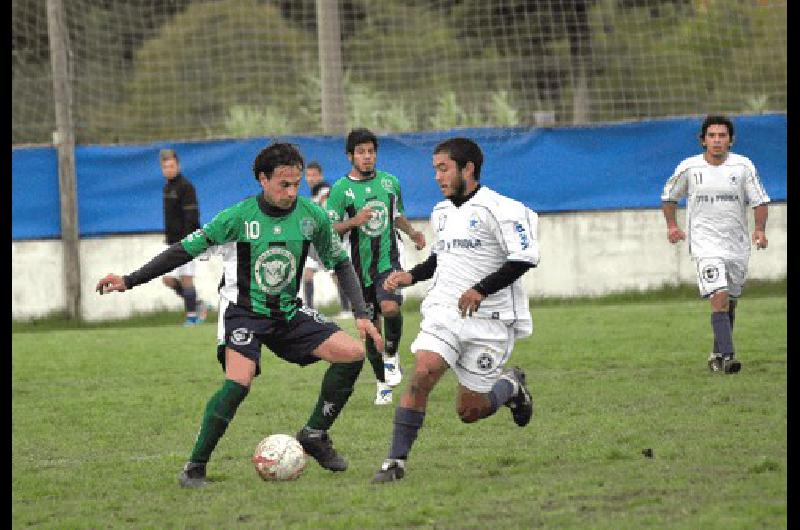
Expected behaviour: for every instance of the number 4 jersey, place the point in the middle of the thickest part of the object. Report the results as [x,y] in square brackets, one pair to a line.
[263,255]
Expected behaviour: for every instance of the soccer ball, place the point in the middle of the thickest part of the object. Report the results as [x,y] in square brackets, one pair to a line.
[279,457]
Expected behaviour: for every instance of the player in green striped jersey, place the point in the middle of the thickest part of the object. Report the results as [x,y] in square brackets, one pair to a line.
[366,206]
[264,241]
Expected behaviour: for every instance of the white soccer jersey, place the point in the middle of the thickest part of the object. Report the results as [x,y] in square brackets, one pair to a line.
[716,204]
[475,240]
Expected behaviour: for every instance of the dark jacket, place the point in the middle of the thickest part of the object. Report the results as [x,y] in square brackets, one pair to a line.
[181,213]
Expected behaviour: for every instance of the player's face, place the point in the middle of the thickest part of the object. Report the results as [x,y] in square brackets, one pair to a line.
[717,141]
[449,178]
[169,168]
[363,158]
[281,189]
[313,176]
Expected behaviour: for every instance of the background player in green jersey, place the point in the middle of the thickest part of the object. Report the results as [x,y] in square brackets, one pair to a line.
[366,206]
[264,241]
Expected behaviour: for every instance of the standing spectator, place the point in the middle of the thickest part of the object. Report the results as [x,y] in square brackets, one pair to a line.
[718,186]
[320,189]
[181,218]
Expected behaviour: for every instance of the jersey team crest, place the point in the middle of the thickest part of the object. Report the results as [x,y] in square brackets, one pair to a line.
[274,269]
[379,221]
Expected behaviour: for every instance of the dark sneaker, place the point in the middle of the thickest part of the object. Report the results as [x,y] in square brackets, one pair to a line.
[521,405]
[391,470]
[193,475]
[320,446]
[715,363]
[731,365]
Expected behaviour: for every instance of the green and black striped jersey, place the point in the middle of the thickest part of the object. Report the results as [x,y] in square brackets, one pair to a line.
[264,255]
[373,246]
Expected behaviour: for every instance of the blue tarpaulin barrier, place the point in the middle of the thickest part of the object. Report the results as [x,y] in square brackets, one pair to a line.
[598,167]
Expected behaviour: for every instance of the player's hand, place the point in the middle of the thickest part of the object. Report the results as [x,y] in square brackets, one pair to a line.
[419,239]
[675,234]
[397,279]
[365,326]
[469,302]
[111,283]
[363,216]
[760,239]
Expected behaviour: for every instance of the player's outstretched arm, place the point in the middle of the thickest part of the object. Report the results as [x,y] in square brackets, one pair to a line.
[172,257]
[416,236]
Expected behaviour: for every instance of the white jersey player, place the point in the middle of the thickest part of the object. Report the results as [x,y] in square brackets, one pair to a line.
[718,186]
[475,307]
[320,190]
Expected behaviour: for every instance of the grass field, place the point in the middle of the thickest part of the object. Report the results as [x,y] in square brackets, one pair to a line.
[104,416]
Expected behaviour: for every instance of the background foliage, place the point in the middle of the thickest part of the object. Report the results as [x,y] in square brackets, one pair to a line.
[181,69]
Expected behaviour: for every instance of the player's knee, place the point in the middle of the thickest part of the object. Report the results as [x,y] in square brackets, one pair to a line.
[469,414]
[356,352]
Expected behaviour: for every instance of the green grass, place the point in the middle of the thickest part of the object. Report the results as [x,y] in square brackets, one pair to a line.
[104,416]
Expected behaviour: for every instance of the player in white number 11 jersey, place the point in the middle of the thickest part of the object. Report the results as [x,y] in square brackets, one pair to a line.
[718,186]
[475,307]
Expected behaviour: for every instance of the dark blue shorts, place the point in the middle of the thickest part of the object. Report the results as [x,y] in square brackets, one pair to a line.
[375,294]
[293,340]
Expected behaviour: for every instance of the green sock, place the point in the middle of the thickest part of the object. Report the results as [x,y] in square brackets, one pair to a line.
[337,385]
[375,359]
[393,330]
[219,413]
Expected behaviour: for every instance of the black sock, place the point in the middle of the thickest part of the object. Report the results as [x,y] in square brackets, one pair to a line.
[407,423]
[375,359]
[190,299]
[393,330]
[308,292]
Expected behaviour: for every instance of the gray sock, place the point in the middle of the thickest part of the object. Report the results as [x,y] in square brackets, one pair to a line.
[407,423]
[723,336]
[500,394]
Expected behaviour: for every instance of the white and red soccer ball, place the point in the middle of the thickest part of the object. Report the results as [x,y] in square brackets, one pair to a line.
[279,457]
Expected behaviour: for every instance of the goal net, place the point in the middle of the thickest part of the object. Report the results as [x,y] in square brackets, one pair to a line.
[147,70]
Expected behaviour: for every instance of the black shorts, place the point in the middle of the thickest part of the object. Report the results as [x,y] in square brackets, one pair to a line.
[293,340]
[375,294]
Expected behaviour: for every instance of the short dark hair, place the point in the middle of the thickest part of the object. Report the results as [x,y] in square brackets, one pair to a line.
[274,155]
[716,120]
[314,165]
[166,154]
[360,136]
[462,150]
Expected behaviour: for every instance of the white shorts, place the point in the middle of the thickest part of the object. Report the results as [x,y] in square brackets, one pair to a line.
[187,269]
[717,274]
[312,264]
[477,349]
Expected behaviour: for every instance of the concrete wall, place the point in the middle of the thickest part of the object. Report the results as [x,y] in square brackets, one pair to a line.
[586,253]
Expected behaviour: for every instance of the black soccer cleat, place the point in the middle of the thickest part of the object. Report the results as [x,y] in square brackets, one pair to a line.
[320,447]
[391,470]
[521,404]
[731,365]
[193,475]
